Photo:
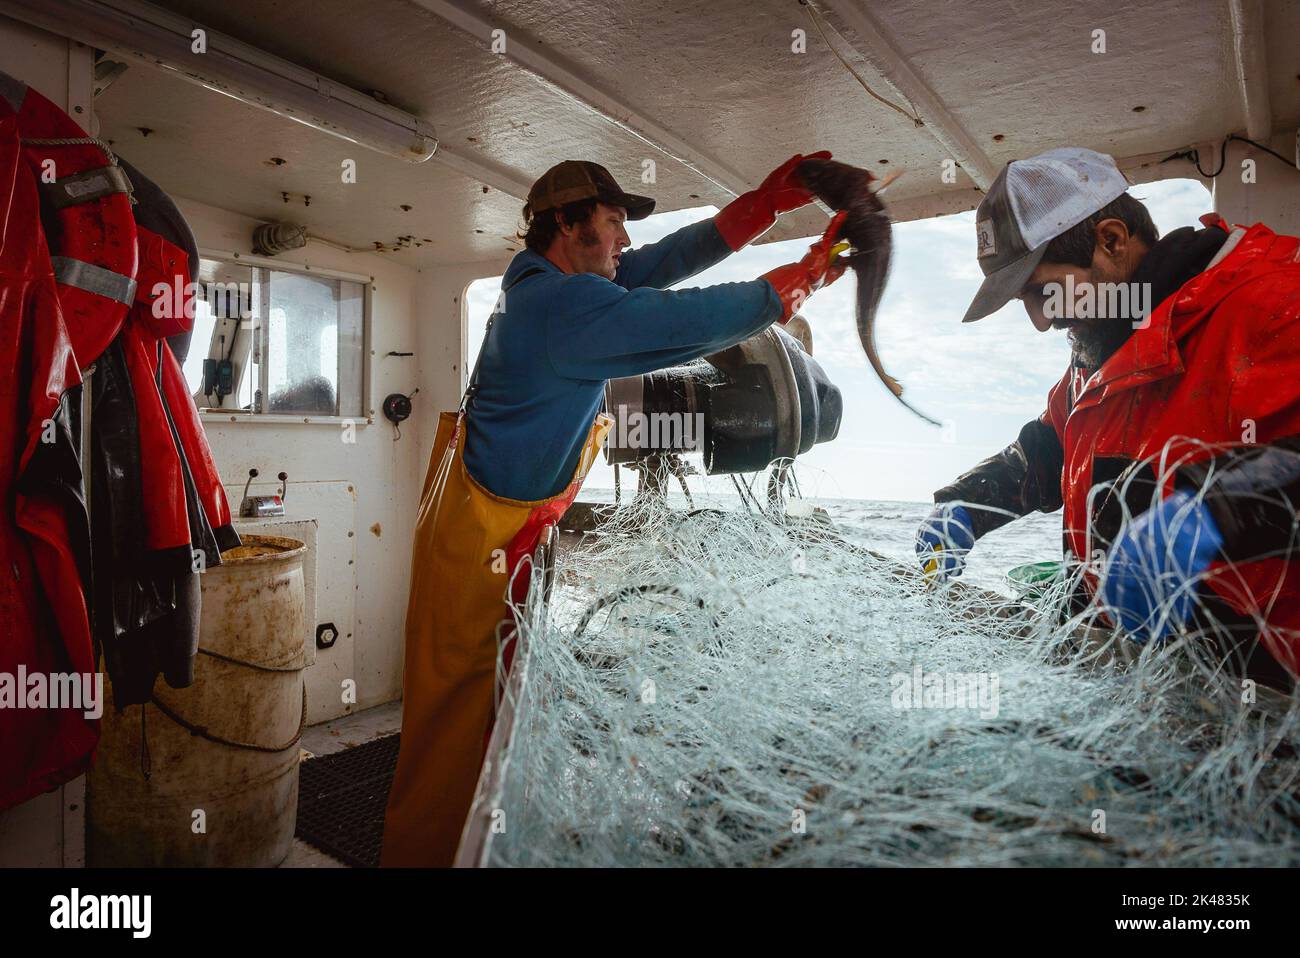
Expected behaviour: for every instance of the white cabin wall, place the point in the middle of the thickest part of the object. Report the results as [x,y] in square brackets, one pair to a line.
[1273,199]
[442,295]
[60,69]
[384,475]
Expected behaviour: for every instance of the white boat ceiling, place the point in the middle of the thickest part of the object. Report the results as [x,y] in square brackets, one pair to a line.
[710,92]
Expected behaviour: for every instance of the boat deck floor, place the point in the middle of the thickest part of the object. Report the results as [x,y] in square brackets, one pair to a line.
[337,735]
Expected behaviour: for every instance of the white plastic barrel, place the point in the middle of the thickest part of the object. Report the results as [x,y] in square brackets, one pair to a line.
[222,788]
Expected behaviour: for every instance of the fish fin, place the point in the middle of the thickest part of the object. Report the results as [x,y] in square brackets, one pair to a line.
[916,412]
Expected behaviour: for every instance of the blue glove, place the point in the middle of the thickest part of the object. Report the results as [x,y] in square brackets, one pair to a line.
[1151,573]
[944,539]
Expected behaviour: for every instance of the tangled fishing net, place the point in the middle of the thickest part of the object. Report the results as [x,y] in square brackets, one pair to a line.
[747,688]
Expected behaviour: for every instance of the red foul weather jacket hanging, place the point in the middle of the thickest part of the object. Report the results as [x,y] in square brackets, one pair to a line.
[40,485]
[149,550]
[158,508]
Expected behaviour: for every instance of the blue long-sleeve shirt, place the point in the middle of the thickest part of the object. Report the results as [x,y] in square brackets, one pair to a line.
[557,337]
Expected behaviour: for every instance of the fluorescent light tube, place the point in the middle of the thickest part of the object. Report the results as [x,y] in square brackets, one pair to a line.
[150,34]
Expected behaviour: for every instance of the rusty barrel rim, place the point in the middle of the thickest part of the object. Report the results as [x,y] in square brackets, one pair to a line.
[286,547]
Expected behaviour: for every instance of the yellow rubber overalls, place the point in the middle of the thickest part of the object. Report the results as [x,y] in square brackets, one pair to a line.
[459,585]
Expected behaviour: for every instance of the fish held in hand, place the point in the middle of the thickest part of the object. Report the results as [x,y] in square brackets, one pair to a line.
[868,230]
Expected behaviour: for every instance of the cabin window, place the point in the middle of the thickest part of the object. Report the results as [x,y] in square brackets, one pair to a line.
[277,342]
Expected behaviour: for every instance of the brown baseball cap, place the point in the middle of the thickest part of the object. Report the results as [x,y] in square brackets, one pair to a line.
[575,180]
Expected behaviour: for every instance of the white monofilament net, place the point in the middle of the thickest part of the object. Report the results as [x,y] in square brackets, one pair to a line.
[722,688]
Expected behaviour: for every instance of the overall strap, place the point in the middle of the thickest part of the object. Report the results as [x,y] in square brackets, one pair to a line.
[471,385]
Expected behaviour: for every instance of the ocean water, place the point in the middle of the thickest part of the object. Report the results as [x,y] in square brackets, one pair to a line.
[890,527]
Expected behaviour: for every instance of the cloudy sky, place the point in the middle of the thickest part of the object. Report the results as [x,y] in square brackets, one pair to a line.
[984,380]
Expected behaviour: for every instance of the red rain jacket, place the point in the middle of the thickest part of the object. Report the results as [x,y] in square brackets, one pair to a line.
[1220,360]
[163,307]
[42,518]
[44,540]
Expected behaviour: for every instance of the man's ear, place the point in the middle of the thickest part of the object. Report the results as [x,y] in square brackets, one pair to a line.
[1113,237]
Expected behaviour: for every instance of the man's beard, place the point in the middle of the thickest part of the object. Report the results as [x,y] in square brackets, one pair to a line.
[1091,344]
[1094,341]
[589,241]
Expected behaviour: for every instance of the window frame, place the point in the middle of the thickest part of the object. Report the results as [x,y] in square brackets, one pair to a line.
[367,284]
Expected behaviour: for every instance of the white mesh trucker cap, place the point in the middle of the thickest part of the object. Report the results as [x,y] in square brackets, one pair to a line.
[1031,203]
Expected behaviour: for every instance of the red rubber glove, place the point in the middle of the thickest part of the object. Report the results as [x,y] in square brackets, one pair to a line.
[795,282]
[752,214]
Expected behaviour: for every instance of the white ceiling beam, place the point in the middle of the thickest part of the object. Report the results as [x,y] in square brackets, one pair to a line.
[873,47]
[484,171]
[584,89]
[1251,65]
[1139,169]
[1152,167]
[928,205]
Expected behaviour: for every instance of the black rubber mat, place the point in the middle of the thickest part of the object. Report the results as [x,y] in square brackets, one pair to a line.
[341,800]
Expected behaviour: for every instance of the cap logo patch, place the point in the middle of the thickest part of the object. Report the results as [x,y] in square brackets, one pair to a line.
[986,245]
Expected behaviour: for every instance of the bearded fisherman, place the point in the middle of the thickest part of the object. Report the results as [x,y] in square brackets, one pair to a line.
[577,308]
[1173,440]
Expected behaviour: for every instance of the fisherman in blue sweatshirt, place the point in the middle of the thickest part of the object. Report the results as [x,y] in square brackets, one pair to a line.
[577,308]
